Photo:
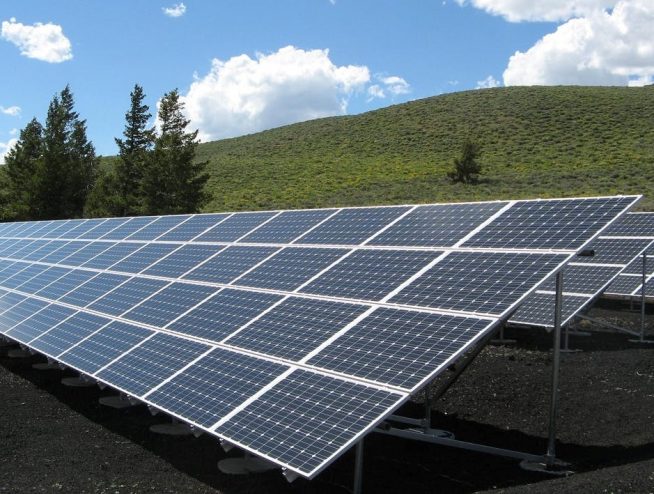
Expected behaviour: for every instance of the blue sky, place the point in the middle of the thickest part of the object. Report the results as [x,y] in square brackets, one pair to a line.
[243,66]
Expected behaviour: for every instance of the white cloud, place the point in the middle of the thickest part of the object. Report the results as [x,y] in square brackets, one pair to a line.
[393,85]
[540,10]
[14,132]
[12,111]
[488,83]
[177,10]
[5,147]
[603,48]
[396,85]
[244,95]
[45,42]
[375,91]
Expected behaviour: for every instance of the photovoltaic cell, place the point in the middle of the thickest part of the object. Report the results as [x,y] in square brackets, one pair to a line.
[65,284]
[103,227]
[43,279]
[32,251]
[552,224]
[105,346]
[584,279]
[632,225]
[192,227]
[538,309]
[8,246]
[19,312]
[370,275]
[223,313]
[478,281]
[305,419]
[68,333]
[40,253]
[169,303]
[183,260]
[295,327]
[150,363]
[288,226]
[215,385]
[86,253]
[26,248]
[24,275]
[124,297]
[95,288]
[8,268]
[352,226]
[230,263]
[290,268]
[39,323]
[157,228]
[437,225]
[62,227]
[636,266]
[143,258]
[111,256]
[399,347]
[624,285]
[64,251]
[234,227]
[128,228]
[79,230]
[9,300]
[614,251]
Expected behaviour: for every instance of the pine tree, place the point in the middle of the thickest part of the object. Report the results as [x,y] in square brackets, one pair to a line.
[467,167]
[172,182]
[21,166]
[69,165]
[133,152]
[103,201]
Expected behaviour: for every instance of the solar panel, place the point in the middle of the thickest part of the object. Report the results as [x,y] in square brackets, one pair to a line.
[617,251]
[234,227]
[287,333]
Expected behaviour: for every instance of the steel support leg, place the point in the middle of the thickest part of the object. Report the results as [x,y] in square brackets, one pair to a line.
[427,424]
[358,468]
[643,299]
[556,363]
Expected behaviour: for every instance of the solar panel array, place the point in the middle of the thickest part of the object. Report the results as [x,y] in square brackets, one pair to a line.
[287,333]
[629,283]
[615,267]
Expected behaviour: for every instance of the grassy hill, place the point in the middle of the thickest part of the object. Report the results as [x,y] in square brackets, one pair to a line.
[537,142]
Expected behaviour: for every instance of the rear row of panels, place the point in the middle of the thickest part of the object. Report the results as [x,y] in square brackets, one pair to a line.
[522,225]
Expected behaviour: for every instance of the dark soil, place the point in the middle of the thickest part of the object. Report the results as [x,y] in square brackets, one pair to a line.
[59,439]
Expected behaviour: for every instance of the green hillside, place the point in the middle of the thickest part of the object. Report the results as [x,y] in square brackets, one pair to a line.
[538,142]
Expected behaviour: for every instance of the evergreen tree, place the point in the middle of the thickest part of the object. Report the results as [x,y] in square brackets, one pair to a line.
[103,200]
[21,165]
[133,152]
[172,182]
[467,167]
[68,168]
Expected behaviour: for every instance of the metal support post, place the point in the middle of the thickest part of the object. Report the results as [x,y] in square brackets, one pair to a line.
[427,422]
[550,456]
[358,468]
[643,299]
[608,325]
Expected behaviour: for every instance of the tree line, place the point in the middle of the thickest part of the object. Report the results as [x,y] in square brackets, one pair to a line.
[53,172]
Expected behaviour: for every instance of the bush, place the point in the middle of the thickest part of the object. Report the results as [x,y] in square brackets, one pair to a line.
[466,167]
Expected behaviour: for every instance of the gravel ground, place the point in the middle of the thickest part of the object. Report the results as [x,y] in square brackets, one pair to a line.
[59,439]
